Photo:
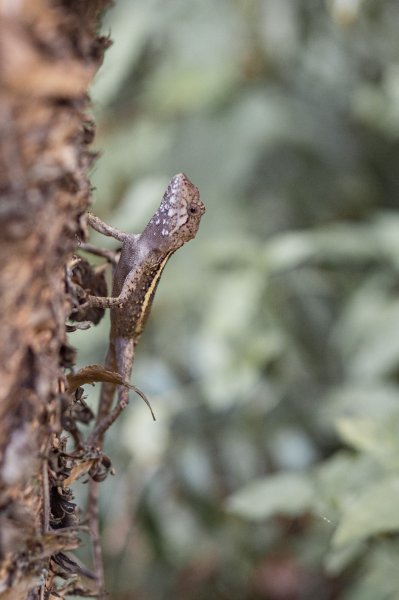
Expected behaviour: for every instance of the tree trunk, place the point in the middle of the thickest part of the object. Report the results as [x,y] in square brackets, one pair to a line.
[49,53]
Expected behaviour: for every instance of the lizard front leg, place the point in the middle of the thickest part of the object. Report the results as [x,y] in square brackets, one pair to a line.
[117,301]
[105,229]
[110,231]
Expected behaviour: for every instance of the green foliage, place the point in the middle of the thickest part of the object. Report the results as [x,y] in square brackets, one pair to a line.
[371,512]
[285,494]
[271,356]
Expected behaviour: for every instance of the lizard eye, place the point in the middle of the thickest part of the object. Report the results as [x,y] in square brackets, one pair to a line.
[193,209]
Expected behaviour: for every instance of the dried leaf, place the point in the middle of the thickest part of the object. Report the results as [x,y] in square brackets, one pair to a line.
[95,373]
[77,471]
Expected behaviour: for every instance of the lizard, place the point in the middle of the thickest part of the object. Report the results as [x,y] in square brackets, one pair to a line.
[135,280]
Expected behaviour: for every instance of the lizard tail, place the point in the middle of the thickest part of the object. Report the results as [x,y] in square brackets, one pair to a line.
[93,512]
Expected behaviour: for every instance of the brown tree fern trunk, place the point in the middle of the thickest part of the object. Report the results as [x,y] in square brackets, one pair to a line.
[49,54]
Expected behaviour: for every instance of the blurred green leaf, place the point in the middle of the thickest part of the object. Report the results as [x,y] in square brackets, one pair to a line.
[378,438]
[288,494]
[376,401]
[373,511]
[378,579]
[340,478]
[339,558]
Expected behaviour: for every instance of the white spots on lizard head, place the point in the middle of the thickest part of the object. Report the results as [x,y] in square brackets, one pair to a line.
[178,217]
[176,204]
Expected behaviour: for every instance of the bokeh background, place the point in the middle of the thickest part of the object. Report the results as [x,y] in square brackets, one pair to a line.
[272,353]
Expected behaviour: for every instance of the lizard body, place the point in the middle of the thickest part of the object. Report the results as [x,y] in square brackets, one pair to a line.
[135,280]
[137,275]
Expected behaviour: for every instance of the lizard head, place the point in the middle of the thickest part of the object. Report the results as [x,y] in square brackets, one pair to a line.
[178,217]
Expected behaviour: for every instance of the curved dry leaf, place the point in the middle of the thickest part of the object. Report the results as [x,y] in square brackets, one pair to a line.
[98,373]
[77,471]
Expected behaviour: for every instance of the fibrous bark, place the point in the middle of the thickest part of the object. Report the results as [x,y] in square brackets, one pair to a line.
[49,53]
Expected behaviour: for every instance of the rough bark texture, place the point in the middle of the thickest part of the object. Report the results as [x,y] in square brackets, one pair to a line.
[49,53]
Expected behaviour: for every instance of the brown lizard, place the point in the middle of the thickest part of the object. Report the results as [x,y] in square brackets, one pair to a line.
[135,280]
